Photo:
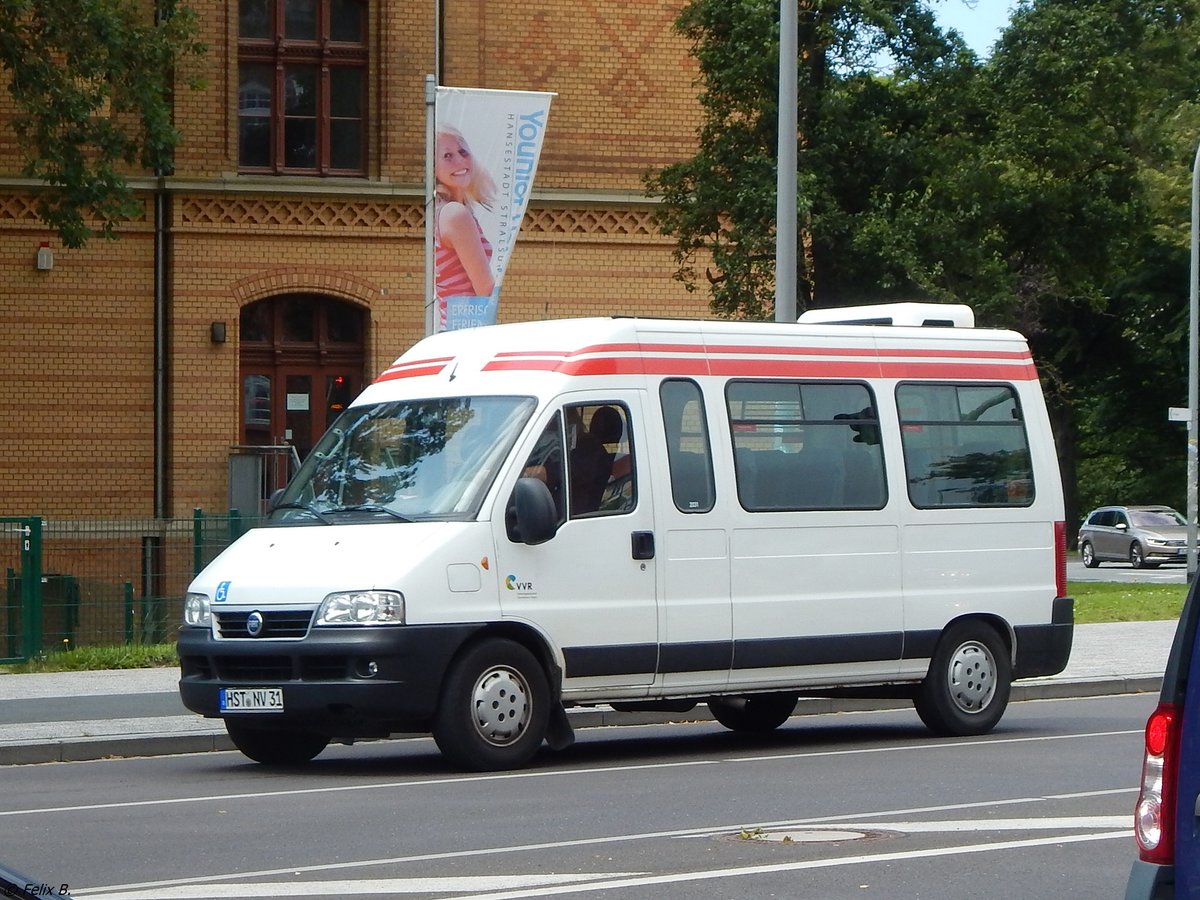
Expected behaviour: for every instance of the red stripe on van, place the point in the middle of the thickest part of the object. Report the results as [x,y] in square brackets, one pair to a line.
[414,368]
[868,352]
[988,368]
[652,348]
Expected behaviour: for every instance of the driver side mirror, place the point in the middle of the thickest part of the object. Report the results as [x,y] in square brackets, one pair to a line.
[532,517]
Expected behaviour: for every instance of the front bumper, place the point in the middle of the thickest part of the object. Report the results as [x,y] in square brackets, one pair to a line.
[327,679]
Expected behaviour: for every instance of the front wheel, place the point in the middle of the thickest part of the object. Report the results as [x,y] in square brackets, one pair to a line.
[276,747]
[494,709]
[1088,552]
[970,677]
[1137,556]
[756,714]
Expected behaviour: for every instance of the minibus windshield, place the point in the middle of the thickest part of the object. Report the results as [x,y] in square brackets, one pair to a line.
[405,460]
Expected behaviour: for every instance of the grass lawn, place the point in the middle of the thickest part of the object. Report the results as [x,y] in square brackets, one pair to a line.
[80,659]
[1103,601]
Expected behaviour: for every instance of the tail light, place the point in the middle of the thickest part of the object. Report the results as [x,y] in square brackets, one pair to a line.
[1154,815]
[1060,558]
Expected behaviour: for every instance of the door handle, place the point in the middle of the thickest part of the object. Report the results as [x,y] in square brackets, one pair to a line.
[643,545]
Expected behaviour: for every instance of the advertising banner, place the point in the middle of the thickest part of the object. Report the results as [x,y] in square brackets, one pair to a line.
[486,150]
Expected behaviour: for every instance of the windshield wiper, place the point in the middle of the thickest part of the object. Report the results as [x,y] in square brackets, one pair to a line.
[372,507]
[303,507]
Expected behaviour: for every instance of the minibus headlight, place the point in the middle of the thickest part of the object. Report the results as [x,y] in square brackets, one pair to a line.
[362,608]
[197,610]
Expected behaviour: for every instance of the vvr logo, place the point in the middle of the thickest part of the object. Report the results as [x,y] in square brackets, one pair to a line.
[513,585]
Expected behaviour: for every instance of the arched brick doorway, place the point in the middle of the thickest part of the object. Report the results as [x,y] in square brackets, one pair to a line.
[301,362]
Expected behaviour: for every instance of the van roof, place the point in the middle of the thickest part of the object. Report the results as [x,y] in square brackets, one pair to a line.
[620,346]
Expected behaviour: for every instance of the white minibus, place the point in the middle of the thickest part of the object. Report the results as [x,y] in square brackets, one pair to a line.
[516,520]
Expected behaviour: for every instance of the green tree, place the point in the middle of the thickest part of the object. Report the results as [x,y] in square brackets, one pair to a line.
[92,81]
[1086,98]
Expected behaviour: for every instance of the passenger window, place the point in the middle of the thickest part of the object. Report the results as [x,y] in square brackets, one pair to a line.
[806,445]
[600,462]
[689,454]
[964,445]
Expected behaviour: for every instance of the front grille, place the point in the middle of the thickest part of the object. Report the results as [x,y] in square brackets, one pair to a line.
[277,623]
[253,668]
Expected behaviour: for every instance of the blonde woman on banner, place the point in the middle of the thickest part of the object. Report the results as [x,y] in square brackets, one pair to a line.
[462,252]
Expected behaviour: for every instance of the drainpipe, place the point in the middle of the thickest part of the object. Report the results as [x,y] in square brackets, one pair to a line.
[161,308]
[160,349]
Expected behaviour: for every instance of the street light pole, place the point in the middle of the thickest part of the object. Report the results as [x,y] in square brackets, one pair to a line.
[785,184]
[1193,391]
[431,320]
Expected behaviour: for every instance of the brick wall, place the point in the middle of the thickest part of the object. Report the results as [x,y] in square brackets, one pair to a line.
[78,352]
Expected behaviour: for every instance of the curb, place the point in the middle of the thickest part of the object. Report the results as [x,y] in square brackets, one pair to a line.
[86,749]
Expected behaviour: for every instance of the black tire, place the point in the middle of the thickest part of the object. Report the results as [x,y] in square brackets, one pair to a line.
[1137,556]
[276,747]
[1088,553]
[756,714]
[494,709]
[969,681]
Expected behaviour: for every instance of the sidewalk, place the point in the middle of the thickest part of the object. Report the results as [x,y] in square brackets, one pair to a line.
[136,712]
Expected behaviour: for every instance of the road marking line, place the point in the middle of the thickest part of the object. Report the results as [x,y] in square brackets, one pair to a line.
[1059,823]
[948,745]
[581,884]
[372,886]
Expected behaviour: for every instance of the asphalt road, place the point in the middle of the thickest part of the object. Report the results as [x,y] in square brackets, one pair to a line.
[1167,573]
[851,805]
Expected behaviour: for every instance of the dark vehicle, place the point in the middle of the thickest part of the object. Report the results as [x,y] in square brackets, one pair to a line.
[1142,536]
[1167,816]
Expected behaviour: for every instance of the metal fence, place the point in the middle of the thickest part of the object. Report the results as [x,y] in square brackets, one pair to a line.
[72,583]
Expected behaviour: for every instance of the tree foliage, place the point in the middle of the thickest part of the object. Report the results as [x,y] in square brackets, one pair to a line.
[91,81]
[854,125]
[1086,97]
[1047,186]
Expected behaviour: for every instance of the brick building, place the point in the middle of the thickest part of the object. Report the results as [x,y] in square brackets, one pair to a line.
[282,265]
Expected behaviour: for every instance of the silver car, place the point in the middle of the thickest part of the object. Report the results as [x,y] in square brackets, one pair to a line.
[1142,536]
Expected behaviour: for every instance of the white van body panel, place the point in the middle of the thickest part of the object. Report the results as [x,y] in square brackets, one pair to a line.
[717,569]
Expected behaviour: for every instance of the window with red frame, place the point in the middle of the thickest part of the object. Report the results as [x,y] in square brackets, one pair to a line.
[302,86]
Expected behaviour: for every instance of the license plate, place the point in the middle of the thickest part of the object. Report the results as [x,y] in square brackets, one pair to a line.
[235,700]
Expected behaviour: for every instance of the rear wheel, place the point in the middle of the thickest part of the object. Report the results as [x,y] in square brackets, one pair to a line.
[276,747]
[494,708]
[1088,553]
[970,677]
[757,713]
